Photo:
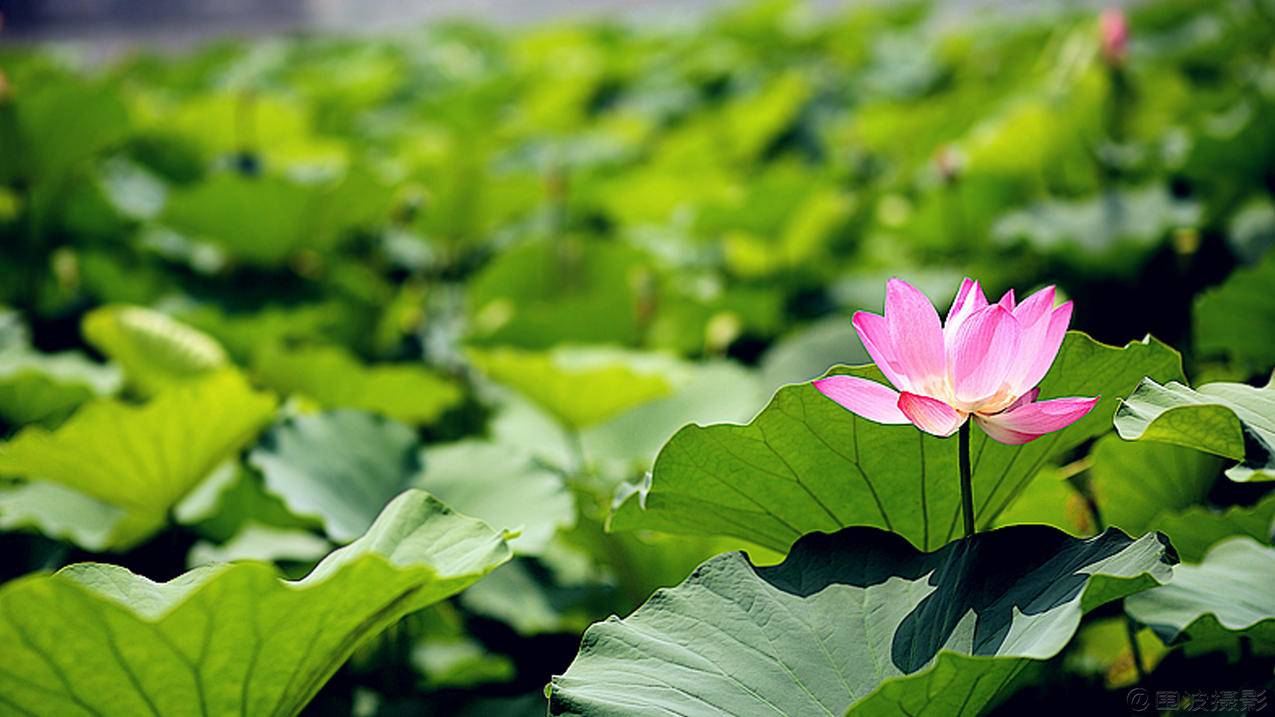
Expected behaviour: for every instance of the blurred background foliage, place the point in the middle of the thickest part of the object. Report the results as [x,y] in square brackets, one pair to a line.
[505,265]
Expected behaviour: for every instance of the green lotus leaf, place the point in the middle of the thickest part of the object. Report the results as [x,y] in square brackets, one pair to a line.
[809,352]
[531,601]
[856,622]
[459,663]
[264,220]
[1196,529]
[142,459]
[1134,484]
[501,485]
[1050,499]
[805,464]
[1238,317]
[538,294]
[406,392]
[256,218]
[261,542]
[245,333]
[705,392]
[340,467]
[1111,233]
[154,349]
[205,122]
[1142,486]
[578,387]
[446,656]
[233,498]
[231,638]
[46,388]
[701,392]
[1102,649]
[585,572]
[1250,234]
[1230,593]
[1232,420]
[62,124]
[60,512]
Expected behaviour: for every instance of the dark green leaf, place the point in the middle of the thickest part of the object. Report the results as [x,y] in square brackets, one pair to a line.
[1197,528]
[857,622]
[1237,319]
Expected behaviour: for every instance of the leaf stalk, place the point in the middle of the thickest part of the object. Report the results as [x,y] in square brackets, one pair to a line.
[967,487]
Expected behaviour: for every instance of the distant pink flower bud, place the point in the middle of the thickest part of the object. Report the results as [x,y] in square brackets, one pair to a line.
[1113,27]
[983,363]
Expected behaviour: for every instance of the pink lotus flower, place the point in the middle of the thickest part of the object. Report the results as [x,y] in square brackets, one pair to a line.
[985,362]
[1113,29]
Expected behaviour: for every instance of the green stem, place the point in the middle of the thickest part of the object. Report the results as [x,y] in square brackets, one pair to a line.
[575,447]
[1131,630]
[967,487]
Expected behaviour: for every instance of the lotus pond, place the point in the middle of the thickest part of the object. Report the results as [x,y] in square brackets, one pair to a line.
[605,368]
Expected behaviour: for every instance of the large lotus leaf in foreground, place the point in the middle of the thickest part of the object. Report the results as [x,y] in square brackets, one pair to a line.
[96,639]
[805,464]
[1230,593]
[858,620]
[1232,420]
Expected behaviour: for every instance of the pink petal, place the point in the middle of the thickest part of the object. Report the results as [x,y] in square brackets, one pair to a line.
[1033,316]
[1038,355]
[1001,434]
[1023,400]
[930,414]
[863,397]
[915,334]
[875,336]
[1035,307]
[969,298]
[1007,300]
[983,352]
[1027,422]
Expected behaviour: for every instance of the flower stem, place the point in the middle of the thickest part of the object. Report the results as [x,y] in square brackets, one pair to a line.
[967,488]
[1131,631]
